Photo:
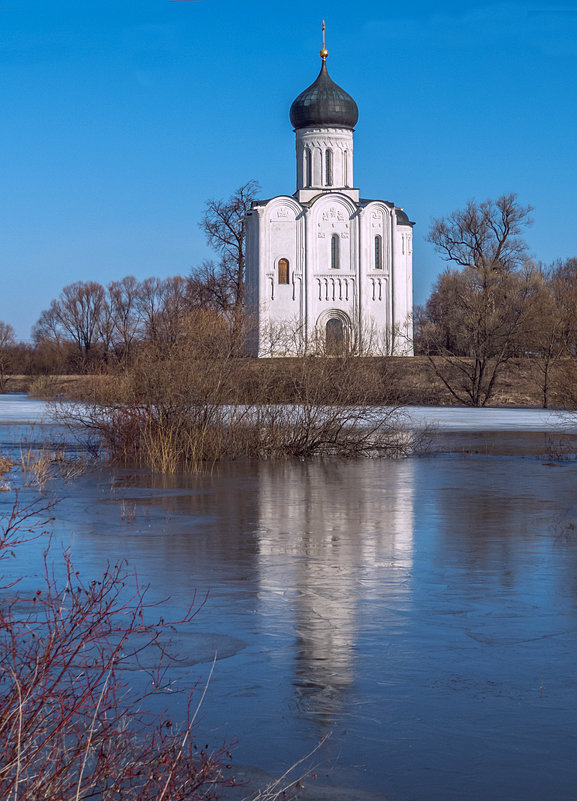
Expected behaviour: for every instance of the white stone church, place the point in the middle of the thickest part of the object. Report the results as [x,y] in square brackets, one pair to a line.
[326,270]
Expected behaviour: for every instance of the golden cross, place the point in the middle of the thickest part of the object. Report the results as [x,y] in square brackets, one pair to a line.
[324,51]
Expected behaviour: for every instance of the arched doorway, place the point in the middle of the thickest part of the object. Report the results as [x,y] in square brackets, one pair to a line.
[335,336]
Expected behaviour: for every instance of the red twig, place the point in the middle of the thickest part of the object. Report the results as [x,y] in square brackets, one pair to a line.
[72,726]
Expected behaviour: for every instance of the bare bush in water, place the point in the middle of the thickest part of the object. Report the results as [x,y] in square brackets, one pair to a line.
[72,725]
[333,413]
[181,410]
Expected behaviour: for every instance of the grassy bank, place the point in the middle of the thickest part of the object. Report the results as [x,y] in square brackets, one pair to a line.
[406,380]
[50,386]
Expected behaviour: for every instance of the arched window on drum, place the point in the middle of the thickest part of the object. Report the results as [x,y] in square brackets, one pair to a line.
[309,166]
[328,167]
[283,271]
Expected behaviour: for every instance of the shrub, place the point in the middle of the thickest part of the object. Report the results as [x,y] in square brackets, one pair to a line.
[72,726]
[183,410]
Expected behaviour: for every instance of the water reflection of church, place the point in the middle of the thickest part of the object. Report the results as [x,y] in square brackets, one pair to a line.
[324,266]
[343,537]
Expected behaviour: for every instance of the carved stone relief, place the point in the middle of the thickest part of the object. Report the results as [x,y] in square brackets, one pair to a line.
[333,214]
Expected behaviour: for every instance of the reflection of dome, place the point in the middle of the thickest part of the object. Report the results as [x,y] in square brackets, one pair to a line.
[324,104]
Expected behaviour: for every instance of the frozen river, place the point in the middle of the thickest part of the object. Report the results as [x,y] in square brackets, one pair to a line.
[20,409]
[420,612]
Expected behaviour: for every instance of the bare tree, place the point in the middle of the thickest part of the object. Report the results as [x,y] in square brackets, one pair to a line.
[174,311]
[209,287]
[126,315]
[71,725]
[556,345]
[476,317]
[162,305]
[7,342]
[484,236]
[224,225]
[46,329]
[150,303]
[77,315]
[563,281]
[547,340]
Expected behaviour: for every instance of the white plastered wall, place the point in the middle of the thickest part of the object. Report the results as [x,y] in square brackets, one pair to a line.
[375,304]
[331,292]
[278,308]
[376,219]
[403,290]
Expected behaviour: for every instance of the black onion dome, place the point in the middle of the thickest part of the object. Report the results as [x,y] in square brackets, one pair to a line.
[324,104]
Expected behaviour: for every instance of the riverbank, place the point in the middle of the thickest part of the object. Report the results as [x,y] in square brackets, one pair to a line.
[410,381]
[46,387]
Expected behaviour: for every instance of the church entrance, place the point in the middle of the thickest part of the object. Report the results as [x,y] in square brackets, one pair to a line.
[335,337]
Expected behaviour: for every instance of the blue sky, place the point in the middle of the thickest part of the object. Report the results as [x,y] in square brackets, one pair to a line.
[121,117]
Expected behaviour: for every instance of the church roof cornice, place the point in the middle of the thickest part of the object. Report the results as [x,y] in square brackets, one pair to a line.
[281,198]
[364,201]
[261,206]
[400,214]
[330,196]
[403,218]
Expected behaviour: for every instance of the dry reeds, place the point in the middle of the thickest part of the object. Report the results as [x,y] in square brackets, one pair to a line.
[5,465]
[45,387]
[42,465]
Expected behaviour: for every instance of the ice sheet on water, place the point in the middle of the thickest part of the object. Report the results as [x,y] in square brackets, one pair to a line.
[452,418]
[19,408]
[183,648]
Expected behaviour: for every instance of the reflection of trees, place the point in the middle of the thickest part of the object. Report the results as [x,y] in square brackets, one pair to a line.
[340,526]
[564,525]
[185,522]
[485,516]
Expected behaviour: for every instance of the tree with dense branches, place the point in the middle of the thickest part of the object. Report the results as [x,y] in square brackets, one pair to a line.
[479,313]
[77,315]
[7,343]
[484,236]
[224,226]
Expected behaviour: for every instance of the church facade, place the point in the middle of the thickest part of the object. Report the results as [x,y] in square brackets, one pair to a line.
[326,270]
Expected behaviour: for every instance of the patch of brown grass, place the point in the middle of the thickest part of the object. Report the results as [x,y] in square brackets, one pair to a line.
[409,380]
[5,465]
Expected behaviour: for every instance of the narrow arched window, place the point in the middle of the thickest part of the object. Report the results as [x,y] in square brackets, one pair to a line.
[378,253]
[346,168]
[335,241]
[309,166]
[283,271]
[328,168]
